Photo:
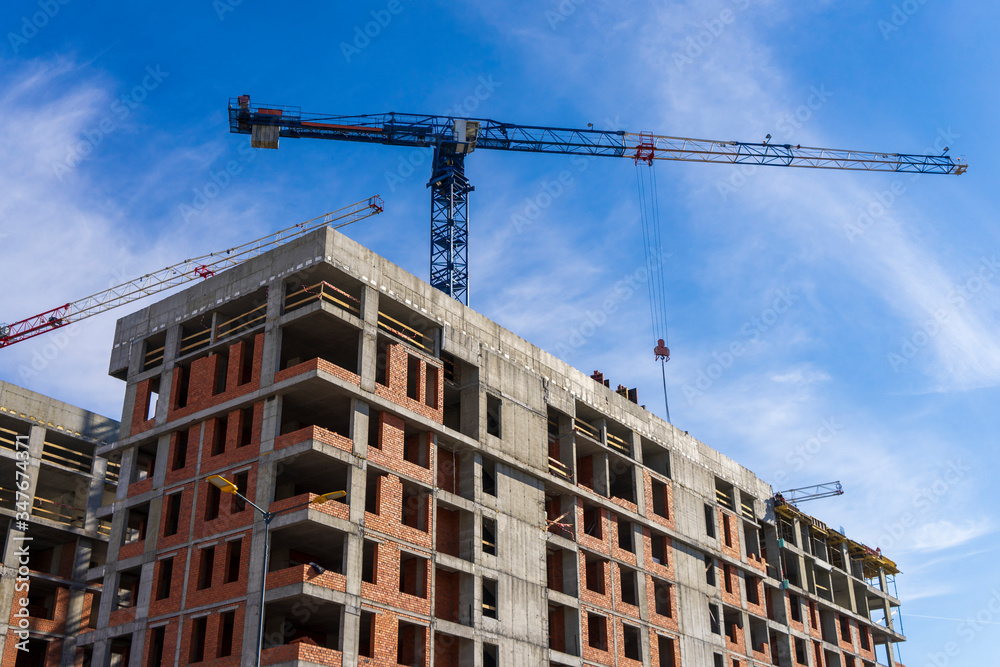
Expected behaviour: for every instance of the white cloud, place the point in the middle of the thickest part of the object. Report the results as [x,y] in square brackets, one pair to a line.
[946,534]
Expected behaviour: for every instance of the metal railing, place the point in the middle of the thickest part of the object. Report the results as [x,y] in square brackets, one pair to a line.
[407,333]
[69,458]
[325,292]
[586,429]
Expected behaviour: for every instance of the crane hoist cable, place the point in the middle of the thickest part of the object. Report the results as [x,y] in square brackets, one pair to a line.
[655,256]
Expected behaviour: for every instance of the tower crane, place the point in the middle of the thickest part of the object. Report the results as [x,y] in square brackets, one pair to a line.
[204,266]
[452,138]
[805,493]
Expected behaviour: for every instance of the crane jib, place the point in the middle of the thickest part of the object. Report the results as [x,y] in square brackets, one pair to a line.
[452,138]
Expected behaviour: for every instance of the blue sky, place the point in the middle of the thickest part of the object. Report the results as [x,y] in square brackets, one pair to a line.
[880,371]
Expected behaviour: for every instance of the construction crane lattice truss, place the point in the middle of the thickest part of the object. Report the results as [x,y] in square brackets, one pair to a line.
[181,273]
[453,138]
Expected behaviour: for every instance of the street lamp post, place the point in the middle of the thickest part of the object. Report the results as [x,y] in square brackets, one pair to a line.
[226,486]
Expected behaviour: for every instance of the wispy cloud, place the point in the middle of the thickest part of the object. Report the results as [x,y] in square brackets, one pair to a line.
[946,534]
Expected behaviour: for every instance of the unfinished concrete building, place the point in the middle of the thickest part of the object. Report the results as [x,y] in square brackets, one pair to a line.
[51,484]
[502,507]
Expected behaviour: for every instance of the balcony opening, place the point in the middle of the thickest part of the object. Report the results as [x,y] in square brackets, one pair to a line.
[366,640]
[413,575]
[564,629]
[758,635]
[494,416]
[659,548]
[596,568]
[156,646]
[753,590]
[213,501]
[153,349]
[145,462]
[369,562]
[136,519]
[751,538]
[661,503]
[220,433]
[560,515]
[489,536]
[656,457]
[318,548]
[795,607]
[662,598]
[180,439]
[597,631]
[410,644]
[172,520]
[206,567]
[415,506]
[490,594]
[165,578]
[665,647]
[626,538]
[234,550]
[246,427]
[710,521]
[199,630]
[455,532]
[286,624]
[629,585]
[431,386]
[417,446]
[800,651]
[710,571]
[42,595]
[622,478]
[311,472]
[242,481]
[412,377]
[307,405]
[632,639]
[560,571]
[373,491]
[714,619]
[489,470]
[320,336]
[593,521]
[725,494]
[733,621]
[227,623]
[182,373]
[491,655]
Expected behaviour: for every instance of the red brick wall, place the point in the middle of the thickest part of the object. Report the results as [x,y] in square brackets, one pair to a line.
[212,637]
[389,450]
[446,595]
[171,603]
[647,486]
[385,641]
[318,364]
[728,522]
[448,531]
[202,379]
[396,376]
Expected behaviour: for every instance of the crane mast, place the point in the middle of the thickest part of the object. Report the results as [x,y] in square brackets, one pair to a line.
[452,138]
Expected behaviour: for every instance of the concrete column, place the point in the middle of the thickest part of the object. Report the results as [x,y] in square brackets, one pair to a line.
[368,345]
[354,560]
[271,352]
